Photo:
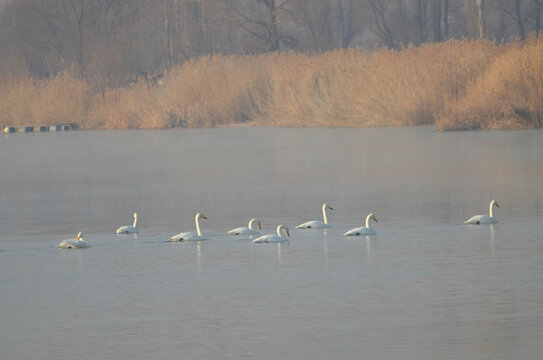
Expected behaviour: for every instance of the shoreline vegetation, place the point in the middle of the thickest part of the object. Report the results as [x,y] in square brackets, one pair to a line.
[455,85]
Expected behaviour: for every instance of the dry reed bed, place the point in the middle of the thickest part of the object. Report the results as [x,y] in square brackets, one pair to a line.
[507,95]
[454,85]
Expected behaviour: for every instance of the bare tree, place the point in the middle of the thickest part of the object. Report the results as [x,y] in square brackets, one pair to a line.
[315,17]
[265,20]
[62,32]
[436,19]
[446,19]
[381,21]
[512,8]
[537,12]
[481,17]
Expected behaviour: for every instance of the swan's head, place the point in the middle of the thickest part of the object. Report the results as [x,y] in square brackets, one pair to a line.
[252,221]
[281,228]
[200,216]
[135,215]
[494,203]
[326,206]
[79,235]
[372,217]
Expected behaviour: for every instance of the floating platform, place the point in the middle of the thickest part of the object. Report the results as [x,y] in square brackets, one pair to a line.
[42,128]
[25,129]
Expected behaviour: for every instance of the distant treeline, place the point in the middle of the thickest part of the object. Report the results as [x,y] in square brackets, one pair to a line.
[111,42]
[468,84]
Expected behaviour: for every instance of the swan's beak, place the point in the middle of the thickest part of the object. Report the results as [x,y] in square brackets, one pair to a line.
[203,216]
[288,232]
[331,208]
[375,219]
[496,204]
[259,226]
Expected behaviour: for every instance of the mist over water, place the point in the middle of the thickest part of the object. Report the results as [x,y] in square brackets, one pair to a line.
[425,287]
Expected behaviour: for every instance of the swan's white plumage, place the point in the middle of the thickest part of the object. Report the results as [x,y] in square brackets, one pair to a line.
[316,224]
[190,236]
[484,219]
[129,228]
[248,230]
[363,230]
[77,243]
[274,238]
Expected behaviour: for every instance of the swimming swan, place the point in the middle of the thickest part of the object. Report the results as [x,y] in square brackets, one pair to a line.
[190,236]
[317,224]
[274,238]
[246,230]
[367,230]
[77,243]
[484,219]
[129,229]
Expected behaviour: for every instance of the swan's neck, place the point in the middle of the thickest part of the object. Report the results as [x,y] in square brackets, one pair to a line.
[135,220]
[492,209]
[280,229]
[196,219]
[251,222]
[324,214]
[368,221]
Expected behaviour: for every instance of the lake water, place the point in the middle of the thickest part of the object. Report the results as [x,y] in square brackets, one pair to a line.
[425,287]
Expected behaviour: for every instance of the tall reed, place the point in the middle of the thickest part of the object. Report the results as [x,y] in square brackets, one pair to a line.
[507,95]
[465,84]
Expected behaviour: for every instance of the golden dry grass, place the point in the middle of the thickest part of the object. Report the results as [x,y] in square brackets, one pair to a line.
[454,85]
[507,95]
[63,99]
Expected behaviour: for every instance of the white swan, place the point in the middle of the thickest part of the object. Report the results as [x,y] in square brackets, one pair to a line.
[363,230]
[129,229]
[317,224]
[484,219]
[190,236]
[246,230]
[77,243]
[274,238]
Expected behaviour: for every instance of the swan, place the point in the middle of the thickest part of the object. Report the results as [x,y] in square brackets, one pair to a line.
[363,230]
[484,219]
[246,230]
[274,238]
[317,224]
[77,243]
[190,236]
[129,229]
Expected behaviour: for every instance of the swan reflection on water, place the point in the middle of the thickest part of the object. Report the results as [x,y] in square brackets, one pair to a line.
[199,256]
[492,239]
[368,245]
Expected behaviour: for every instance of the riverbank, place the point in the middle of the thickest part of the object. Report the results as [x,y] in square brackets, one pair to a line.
[454,85]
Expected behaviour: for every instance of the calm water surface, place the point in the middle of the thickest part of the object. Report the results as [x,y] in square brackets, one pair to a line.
[425,287]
